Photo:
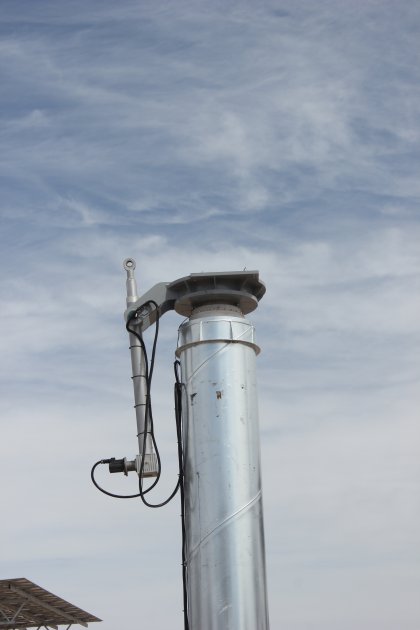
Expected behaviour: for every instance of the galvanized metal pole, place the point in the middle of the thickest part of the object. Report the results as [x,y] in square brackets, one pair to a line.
[223,499]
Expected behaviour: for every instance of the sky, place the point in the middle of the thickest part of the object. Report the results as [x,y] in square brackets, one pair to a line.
[198,136]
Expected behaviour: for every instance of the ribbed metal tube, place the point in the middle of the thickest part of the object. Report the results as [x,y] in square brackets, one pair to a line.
[137,363]
[224,517]
[140,392]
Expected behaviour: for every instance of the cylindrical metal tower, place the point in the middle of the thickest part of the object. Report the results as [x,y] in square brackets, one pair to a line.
[224,534]
[223,502]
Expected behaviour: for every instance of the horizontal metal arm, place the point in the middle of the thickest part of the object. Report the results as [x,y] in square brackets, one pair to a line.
[238,288]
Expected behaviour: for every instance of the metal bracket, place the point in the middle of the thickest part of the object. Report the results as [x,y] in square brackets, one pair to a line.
[243,289]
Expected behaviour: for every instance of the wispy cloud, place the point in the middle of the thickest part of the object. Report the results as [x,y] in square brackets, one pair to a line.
[198,137]
[270,108]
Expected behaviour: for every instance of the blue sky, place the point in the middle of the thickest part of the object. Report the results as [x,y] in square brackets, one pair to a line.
[280,136]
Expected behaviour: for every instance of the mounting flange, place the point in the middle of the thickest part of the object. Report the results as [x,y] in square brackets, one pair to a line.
[238,288]
[243,289]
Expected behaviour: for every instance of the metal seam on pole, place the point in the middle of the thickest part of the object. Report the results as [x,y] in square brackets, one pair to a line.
[226,520]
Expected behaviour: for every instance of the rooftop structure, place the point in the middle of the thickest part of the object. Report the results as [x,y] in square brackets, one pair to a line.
[24,604]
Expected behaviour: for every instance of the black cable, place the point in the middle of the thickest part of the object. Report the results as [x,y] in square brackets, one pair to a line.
[148,381]
[148,417]
[148,409]
[178,418]
[110,494]
[148,378]
[178,421]
[106,461]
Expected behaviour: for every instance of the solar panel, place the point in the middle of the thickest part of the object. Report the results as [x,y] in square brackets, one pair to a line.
[24,604]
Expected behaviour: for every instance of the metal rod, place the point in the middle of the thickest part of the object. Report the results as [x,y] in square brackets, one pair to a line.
[137,365]
[140,392]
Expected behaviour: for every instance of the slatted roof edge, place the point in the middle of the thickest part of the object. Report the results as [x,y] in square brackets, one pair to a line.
[39,607]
